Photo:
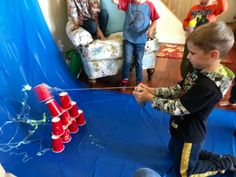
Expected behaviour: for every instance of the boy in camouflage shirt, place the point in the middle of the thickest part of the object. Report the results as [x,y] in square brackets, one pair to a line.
[191,101]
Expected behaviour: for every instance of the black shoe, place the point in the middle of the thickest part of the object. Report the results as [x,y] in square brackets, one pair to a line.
[233,163]
[205,155]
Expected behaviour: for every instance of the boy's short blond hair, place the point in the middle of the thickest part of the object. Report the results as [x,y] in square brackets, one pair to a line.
[213,36]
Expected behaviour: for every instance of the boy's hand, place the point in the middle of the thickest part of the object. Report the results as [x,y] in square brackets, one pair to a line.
[143,93]
[142,96]
[152,27]
[142,87]
[150,33]
[188,30]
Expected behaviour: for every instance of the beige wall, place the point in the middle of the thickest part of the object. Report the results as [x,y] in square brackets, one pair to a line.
[169,27]
[56,17]
[228,15]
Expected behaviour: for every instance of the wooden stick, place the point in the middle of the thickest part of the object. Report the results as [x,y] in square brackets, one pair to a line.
[101,88]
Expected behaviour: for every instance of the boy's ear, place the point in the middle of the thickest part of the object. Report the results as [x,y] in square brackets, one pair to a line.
[215,54]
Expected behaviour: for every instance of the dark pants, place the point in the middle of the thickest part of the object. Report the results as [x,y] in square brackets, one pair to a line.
[91,26]
[232,98]
[190,159]
[136,52]
[185,66]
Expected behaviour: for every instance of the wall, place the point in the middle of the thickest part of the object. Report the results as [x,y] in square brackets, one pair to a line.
[169,28]
[228,15]
[55,14]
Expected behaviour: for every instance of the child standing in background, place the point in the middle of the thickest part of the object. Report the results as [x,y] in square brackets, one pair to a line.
[206,11]
[136,29]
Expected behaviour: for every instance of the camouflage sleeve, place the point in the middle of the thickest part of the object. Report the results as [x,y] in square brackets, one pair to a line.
[173,107]
[71,9]
[168,92]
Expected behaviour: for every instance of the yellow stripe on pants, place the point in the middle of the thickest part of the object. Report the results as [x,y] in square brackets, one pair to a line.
[185,157]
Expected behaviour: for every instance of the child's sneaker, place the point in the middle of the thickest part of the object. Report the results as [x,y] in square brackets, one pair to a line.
[123,84]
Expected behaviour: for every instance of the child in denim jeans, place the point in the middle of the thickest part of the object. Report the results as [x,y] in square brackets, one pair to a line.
[137,28]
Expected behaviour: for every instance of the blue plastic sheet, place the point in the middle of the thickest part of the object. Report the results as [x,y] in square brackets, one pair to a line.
[119,136]
[28,52]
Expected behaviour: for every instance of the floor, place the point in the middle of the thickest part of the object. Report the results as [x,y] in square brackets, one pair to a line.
[167,73]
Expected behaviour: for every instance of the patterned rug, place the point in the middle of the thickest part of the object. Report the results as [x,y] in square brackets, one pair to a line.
[171,51]
[175,51]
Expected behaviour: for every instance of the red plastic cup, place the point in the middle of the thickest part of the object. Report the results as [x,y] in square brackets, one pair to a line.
[57,128]
[57,145]
[66,138]
[74,110]
[65,101]
[70,121]
[80,120]
[42,92]
[54,108]
[65,118]
[73,127]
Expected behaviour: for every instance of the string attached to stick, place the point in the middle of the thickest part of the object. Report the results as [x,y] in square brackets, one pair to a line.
[99,88]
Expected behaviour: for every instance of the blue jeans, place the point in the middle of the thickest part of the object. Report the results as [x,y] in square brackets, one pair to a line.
[146,172]
[133,51]
[91,26]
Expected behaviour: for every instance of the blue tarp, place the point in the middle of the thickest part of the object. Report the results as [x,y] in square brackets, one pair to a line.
[119,136]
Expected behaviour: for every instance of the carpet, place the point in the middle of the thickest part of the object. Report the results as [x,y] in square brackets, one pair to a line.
[175,51]
[171,51]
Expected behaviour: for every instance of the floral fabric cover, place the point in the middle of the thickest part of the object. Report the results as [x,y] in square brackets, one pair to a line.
[104,58]
[112,48]
[79,36]
[102,68]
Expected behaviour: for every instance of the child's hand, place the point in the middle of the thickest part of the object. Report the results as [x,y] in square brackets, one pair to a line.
[142,87]
[150,33]
[142,94]
[188,30]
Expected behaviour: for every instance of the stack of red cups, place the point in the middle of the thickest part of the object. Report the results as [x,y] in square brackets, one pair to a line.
[57,132]
[65,118]
[57,128]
